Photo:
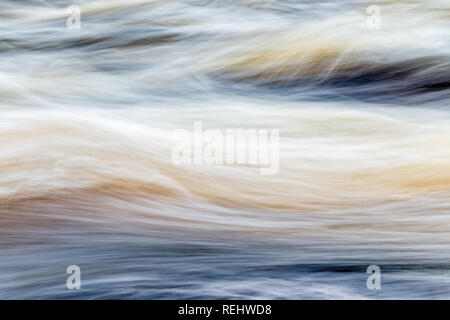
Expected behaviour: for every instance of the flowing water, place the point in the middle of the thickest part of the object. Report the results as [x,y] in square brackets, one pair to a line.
[86,177]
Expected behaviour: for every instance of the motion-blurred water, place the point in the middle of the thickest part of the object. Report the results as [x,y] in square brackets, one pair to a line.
[86,178]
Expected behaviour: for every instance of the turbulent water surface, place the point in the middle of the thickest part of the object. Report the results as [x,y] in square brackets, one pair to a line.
[86,123]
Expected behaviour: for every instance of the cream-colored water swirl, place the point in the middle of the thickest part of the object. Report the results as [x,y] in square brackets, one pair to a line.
[88,113]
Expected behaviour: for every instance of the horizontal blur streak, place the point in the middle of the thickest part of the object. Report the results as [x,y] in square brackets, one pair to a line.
[86,178]
[329,156]
[136,50]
